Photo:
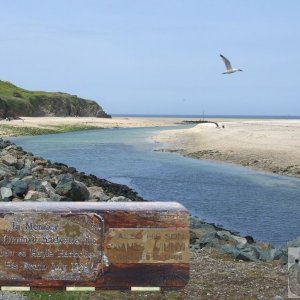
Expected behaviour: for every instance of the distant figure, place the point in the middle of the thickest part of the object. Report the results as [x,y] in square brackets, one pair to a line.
[229,69]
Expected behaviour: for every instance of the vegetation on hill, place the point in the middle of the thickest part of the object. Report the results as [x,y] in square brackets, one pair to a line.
[16,102]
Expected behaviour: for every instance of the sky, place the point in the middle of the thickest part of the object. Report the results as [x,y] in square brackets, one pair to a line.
[157,56]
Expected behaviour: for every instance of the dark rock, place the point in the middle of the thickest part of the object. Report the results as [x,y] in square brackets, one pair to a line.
[24,172]
[210,239]
[4,143]
[3,174]
[19,187]
[247,256]
[281,254]
[71,170]
[4,182]
[250,239]
[245,253]
[70,188]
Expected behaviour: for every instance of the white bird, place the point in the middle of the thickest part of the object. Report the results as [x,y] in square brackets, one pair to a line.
[229,68]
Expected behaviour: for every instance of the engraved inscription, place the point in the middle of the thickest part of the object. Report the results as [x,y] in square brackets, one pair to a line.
[51,246]
[147,245]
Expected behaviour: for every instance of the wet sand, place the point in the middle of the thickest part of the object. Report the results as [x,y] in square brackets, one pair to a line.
[270,145]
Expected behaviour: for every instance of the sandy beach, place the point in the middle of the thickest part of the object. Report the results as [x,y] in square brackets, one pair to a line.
[55,122]
[270,145]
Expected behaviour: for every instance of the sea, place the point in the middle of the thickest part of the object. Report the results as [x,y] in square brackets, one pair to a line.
[260,204]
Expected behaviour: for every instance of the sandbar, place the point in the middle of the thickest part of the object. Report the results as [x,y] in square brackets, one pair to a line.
[56,123]
[269,145]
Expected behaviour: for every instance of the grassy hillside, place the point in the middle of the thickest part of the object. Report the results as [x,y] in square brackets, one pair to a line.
[15,102]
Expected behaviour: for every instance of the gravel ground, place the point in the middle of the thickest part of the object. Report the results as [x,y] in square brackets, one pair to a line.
[215,276]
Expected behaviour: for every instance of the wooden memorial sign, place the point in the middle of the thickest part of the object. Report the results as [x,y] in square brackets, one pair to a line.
[102,245]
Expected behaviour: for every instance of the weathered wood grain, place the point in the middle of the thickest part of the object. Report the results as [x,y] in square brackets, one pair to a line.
[105,245]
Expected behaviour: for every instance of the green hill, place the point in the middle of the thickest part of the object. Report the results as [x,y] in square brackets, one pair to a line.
[17,102]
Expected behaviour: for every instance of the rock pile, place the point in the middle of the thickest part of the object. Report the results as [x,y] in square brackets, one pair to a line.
[25,177]
[205,235]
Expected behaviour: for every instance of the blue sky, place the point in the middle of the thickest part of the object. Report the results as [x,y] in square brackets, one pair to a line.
[157,56]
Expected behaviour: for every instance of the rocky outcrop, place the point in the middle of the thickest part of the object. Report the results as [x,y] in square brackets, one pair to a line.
[205,235]
[15,102]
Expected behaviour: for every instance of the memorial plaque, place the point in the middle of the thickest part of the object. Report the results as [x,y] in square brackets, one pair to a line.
[147,245]
[102,245]
[51,246]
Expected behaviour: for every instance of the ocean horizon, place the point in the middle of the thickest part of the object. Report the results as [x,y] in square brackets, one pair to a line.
[210,116]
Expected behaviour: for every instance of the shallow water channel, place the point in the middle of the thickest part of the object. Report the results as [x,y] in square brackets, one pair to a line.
[253,203]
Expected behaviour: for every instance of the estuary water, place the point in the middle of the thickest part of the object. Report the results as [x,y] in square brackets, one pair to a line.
[260,204]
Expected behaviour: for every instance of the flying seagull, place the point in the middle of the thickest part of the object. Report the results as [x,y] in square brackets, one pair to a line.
[229,68]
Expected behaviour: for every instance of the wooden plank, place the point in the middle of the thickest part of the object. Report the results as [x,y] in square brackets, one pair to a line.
[102,245]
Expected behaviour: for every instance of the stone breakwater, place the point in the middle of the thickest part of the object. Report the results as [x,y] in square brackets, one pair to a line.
[25,177]
[205,235]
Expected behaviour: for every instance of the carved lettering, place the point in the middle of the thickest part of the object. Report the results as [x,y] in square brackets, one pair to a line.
[51,246]
[147,245]
[41,227]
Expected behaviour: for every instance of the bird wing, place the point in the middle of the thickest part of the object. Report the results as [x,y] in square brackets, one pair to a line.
[227,62]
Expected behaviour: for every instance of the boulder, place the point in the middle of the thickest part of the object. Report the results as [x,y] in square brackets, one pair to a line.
[210,239]
[281,254]
[50,191]
[37,169]
[11,147]
[19,187]
[28,161]
[35,195]
[9,170]
[34,183]
[233,239]
[6,193]
[5,182]
[52,171]
[248,253]
[3,174]
[97,194]
[20,164]
[199,224]
[119,199]
[9,160]
[266,254]
[4,143]
[70,188]
[24,172]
